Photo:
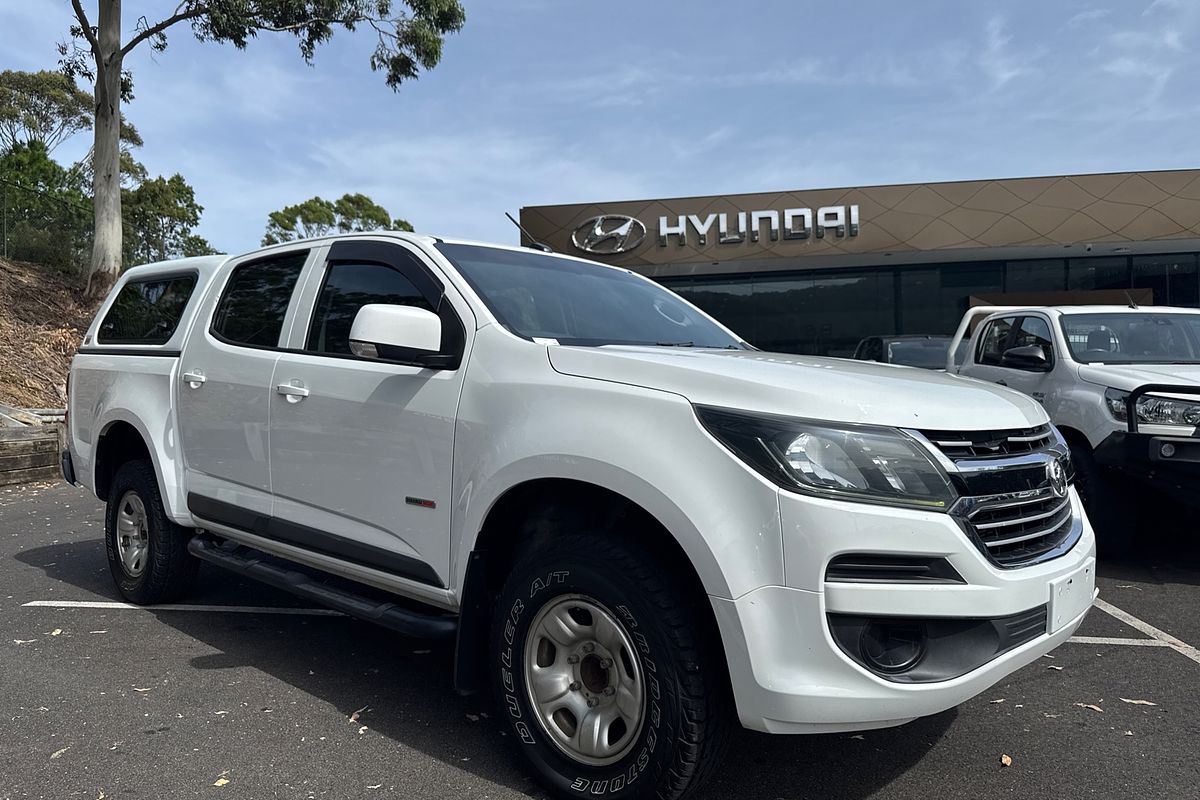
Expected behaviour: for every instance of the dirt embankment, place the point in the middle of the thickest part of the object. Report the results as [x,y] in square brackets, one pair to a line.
[42,319]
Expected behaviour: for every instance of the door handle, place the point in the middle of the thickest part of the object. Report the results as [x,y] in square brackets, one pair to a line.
[193,378]
[292,392]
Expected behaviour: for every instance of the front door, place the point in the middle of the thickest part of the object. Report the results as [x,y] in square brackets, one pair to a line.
[360,449]
[223,389]
[1033,330]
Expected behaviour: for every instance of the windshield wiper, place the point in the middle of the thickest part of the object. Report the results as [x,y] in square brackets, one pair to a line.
[674,344]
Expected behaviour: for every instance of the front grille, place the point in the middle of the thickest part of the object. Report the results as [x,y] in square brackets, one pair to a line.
[1016,529]
[1008,505]
[991,444]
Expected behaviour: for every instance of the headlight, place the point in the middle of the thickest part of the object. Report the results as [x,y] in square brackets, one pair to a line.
[1154,410]
[867,464]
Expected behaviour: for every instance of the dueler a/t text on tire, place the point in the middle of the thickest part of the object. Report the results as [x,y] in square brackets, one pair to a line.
[606,673]
[147,553]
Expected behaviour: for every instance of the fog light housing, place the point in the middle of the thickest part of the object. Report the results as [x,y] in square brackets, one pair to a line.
[1168,450]
[893,647]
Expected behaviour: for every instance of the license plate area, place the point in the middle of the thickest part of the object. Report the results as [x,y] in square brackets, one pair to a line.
[1071,595]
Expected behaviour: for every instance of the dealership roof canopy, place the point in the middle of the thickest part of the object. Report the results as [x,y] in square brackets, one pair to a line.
[1015,218]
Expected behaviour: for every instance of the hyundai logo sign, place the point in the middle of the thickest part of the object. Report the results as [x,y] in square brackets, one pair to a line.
[609,233]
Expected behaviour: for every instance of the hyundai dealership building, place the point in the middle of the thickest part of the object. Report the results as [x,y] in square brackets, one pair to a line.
[815,271]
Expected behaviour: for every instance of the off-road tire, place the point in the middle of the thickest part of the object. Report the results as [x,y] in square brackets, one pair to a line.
[688,704]
[169,571]
[1109,506]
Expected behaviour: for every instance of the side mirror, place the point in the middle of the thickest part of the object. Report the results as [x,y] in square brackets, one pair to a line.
[395,333]
[1030,357]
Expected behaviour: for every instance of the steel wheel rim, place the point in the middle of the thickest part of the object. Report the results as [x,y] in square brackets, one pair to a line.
[584,680]
[133,534]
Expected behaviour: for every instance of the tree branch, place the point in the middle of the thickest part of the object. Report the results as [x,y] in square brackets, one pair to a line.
[81,15]
[158,28]
[311,21]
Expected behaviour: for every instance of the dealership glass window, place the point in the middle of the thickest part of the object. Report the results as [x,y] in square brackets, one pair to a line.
[934,299]
[1089,274]
[729,301]
[1040,275]
[824,314]
[1172,277]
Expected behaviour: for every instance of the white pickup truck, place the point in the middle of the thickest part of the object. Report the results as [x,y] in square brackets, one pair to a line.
[636,528]
[1121,383]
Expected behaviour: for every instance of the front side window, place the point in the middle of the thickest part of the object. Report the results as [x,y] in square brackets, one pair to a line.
[348,287]
[537,295]
[1034,330]
[1133,338]
[147,311]
[994,342]
[255,302]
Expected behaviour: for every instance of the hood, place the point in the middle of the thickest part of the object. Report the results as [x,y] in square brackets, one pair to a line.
[825,389]
[1128,377]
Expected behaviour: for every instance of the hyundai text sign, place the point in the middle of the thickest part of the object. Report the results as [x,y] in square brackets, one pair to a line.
[615,233]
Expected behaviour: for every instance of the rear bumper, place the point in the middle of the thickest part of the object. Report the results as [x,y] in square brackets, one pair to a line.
[1141,456]
[68,467]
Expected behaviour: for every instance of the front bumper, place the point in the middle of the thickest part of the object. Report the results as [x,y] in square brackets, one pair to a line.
[1140,456]
[789,674]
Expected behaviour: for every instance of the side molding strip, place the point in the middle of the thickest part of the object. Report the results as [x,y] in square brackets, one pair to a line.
[318,541]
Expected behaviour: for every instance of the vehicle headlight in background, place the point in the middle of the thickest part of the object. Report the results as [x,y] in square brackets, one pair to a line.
[866,464]
[1154,410]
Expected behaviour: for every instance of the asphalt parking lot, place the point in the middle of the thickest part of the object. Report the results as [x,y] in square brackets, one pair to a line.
[244,693]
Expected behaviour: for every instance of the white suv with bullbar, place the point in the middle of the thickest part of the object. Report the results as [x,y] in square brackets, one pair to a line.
[637,529]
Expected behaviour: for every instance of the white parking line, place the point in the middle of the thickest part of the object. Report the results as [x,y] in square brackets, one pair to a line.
[306,612]
[1110,640]
[1148,629]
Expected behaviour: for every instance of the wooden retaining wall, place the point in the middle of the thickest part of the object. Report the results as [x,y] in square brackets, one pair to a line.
[30,453]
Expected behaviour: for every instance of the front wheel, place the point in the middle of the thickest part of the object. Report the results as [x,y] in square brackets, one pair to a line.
[605,673]
[1109,505]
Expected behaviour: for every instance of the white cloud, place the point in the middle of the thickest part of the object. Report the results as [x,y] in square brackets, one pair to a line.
[998,61]
[1091,15]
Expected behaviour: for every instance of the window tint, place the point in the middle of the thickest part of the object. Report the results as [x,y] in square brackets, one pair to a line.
[348,287]
[993,344]
[147,312]
[1034,330]
[256,299]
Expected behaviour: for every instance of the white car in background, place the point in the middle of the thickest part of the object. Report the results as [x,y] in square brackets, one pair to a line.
[1121,383]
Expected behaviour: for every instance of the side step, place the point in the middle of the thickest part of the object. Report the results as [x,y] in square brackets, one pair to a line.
[328,591]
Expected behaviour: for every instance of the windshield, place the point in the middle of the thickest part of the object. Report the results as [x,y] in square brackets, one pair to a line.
[927,353]
[1132,338]
[537,295]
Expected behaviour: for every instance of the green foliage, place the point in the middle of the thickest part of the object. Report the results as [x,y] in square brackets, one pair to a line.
[159,216]
[319,217]
[44,107]
[47,210]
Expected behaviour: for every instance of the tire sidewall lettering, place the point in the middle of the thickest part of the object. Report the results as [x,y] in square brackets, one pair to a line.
[630,768]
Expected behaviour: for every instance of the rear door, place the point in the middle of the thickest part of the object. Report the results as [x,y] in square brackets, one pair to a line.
[361,449]
[223,386]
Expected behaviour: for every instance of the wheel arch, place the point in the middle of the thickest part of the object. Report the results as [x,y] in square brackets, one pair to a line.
[122,439]
[533,510]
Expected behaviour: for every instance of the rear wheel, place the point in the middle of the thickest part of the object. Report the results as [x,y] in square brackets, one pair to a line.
[147,553]
[1109,505]
[605,672]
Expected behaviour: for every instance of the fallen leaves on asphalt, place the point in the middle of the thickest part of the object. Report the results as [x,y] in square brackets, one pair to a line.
[221,779]
[1092,707]
[354,716]
[24,641]
[996,702]
[1137,702]
[58,753]
[56,632]
[148,688]
[1054,667]
[1006,760]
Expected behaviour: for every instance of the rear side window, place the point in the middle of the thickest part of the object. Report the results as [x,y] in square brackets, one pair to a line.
[348,287]
[147,311]
[993,344]
[255,302]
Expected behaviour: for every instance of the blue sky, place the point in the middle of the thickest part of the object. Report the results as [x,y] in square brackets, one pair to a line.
[557,101]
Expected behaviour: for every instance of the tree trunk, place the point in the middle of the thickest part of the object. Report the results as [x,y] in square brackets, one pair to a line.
[106,154]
